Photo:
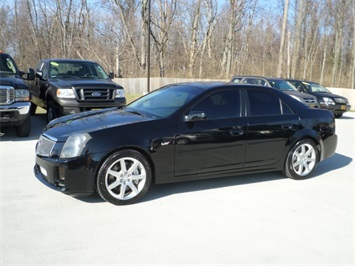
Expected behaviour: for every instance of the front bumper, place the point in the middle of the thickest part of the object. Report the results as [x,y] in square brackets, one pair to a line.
[337,108]
[70,176]
[14,114]
[72,106]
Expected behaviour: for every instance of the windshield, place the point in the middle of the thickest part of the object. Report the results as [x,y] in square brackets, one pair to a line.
[164,102]
[315,87]
[282,85]
[68,69]
[7,65]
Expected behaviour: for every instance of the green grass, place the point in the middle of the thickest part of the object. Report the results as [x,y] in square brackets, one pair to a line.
[132,97]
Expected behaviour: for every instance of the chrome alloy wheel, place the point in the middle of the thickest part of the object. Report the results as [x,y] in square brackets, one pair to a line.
[304,159]
[125,178]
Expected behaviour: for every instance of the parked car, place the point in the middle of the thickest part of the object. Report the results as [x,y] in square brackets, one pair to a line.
[70,86]
[183,132]
[279,84]
[327,100]
[14,96]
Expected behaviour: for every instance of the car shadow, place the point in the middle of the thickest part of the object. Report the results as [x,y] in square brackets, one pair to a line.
[38,122]
[344,117]
[157,192]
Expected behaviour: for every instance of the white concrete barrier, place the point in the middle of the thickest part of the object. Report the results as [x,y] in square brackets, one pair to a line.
[140,85]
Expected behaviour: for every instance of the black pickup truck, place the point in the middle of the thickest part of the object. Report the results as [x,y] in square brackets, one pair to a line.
[70,86]
[14,96]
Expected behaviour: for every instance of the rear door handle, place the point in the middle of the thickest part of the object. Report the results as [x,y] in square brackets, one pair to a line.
[237,132]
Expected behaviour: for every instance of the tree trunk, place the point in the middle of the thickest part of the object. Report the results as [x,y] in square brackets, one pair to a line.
[283,35]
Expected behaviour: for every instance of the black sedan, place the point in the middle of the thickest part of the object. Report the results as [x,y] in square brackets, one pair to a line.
[183,132]
[327,100]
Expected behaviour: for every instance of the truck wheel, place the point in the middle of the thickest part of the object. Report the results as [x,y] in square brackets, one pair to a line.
[52,113]
[24,130]
[33,109]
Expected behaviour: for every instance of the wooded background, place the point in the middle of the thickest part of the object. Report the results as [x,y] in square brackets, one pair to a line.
[307,39]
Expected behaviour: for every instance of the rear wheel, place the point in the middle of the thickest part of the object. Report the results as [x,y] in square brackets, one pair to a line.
[301,160]
[124,177]
[24,130]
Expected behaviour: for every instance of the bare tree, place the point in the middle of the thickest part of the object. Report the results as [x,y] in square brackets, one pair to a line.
[236,13]
[160,31]
[283,36]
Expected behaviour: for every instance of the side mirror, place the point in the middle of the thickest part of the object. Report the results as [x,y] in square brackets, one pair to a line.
[111,75]
[30,74]
[195,116]
[39,74]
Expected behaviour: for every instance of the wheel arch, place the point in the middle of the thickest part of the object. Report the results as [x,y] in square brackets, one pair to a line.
[135,148]
[311,135]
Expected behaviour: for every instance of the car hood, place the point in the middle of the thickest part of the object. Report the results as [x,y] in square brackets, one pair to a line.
[299,94]
[12,80]
[82,82]
[86,122]
[326,94]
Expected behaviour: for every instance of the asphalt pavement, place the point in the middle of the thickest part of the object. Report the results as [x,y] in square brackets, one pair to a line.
[260,219]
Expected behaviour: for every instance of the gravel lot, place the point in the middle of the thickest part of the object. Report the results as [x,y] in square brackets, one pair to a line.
[261,219]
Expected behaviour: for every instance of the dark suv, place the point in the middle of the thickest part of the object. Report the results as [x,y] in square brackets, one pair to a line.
[14,96]
[327,100]
[69,86]
[279,84]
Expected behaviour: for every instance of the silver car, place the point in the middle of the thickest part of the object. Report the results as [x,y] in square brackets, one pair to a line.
[280,84]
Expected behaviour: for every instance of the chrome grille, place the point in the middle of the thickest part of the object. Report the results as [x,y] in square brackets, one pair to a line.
[309,100]
[95,94]
[44,146]
[7,94]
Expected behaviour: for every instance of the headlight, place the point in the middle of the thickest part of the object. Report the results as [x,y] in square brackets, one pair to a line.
[22,95]
[74,145]
[328,101]
[297,98]
[65,93]
[119,93]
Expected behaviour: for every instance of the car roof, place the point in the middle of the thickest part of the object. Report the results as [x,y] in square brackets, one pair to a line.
[68,60]
[256,77]
[305,81]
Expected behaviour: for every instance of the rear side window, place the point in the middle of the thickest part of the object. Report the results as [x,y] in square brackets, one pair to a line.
[262,103]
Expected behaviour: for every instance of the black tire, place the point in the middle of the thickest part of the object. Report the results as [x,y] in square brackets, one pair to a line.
[301,160]
[52,112]
[124,177]
[24,130]
[33,109]
[338,115]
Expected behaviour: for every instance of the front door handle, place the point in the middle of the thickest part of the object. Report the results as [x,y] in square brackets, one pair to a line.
[288,126]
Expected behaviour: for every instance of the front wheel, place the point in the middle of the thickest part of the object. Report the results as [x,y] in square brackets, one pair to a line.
[301,160]
[124,177]
[52,112]
[338,115]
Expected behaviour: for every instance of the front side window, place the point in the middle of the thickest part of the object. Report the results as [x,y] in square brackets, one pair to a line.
[224,104]
[282,85]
